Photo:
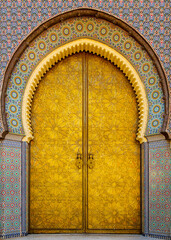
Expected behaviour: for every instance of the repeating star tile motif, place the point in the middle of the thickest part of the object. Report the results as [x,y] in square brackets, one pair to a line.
[19,18]
[150,18]
[92,28]
[10,192]
[159,187]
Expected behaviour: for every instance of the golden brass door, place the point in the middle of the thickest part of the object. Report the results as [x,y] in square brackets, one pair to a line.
[55,180]
[85,161]
[114,177]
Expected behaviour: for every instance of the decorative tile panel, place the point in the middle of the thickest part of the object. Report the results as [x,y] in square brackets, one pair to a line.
[159,187]
[84,27]
[10,192]
[150,18]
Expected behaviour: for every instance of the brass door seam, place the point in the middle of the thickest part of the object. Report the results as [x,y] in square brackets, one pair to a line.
[85,138]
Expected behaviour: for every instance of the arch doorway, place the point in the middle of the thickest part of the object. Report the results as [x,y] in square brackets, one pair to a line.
[85,161]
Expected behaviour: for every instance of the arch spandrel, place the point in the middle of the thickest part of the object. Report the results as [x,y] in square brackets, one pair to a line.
[102,29]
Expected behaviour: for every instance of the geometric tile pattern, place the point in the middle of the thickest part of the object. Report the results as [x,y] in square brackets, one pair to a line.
[159,187]
[10,192]
[24,187]
[82,27]
[150,18]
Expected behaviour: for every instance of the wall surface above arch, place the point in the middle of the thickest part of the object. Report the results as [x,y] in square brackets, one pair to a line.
[150,18]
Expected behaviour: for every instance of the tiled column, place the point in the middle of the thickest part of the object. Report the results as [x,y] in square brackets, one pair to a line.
[13,188]
[159,188]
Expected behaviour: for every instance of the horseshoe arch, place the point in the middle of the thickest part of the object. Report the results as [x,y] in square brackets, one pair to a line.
[96,48]
[105,30]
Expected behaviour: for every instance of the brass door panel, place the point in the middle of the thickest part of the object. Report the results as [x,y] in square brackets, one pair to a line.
[55,180]
[85,161]
[114,173]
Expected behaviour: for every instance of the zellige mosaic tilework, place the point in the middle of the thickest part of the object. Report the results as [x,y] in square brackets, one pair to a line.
[150,18]
[10,193]
[159,187]
[92,28]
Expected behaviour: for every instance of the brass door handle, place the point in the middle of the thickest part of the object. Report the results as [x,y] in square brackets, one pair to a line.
[79,160]
[90,161]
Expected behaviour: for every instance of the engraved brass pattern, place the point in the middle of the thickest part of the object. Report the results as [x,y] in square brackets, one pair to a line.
[114,182]
[55,180]
[89,182]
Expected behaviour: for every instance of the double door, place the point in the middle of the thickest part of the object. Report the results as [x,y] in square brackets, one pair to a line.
[84,159]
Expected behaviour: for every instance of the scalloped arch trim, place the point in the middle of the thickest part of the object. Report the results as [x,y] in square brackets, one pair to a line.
[95,47]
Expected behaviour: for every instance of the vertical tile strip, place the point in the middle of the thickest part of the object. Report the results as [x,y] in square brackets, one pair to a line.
[23,188]
[145,188]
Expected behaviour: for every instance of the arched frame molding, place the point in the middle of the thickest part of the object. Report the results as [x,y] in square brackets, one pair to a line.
[94,47]
[86,13]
